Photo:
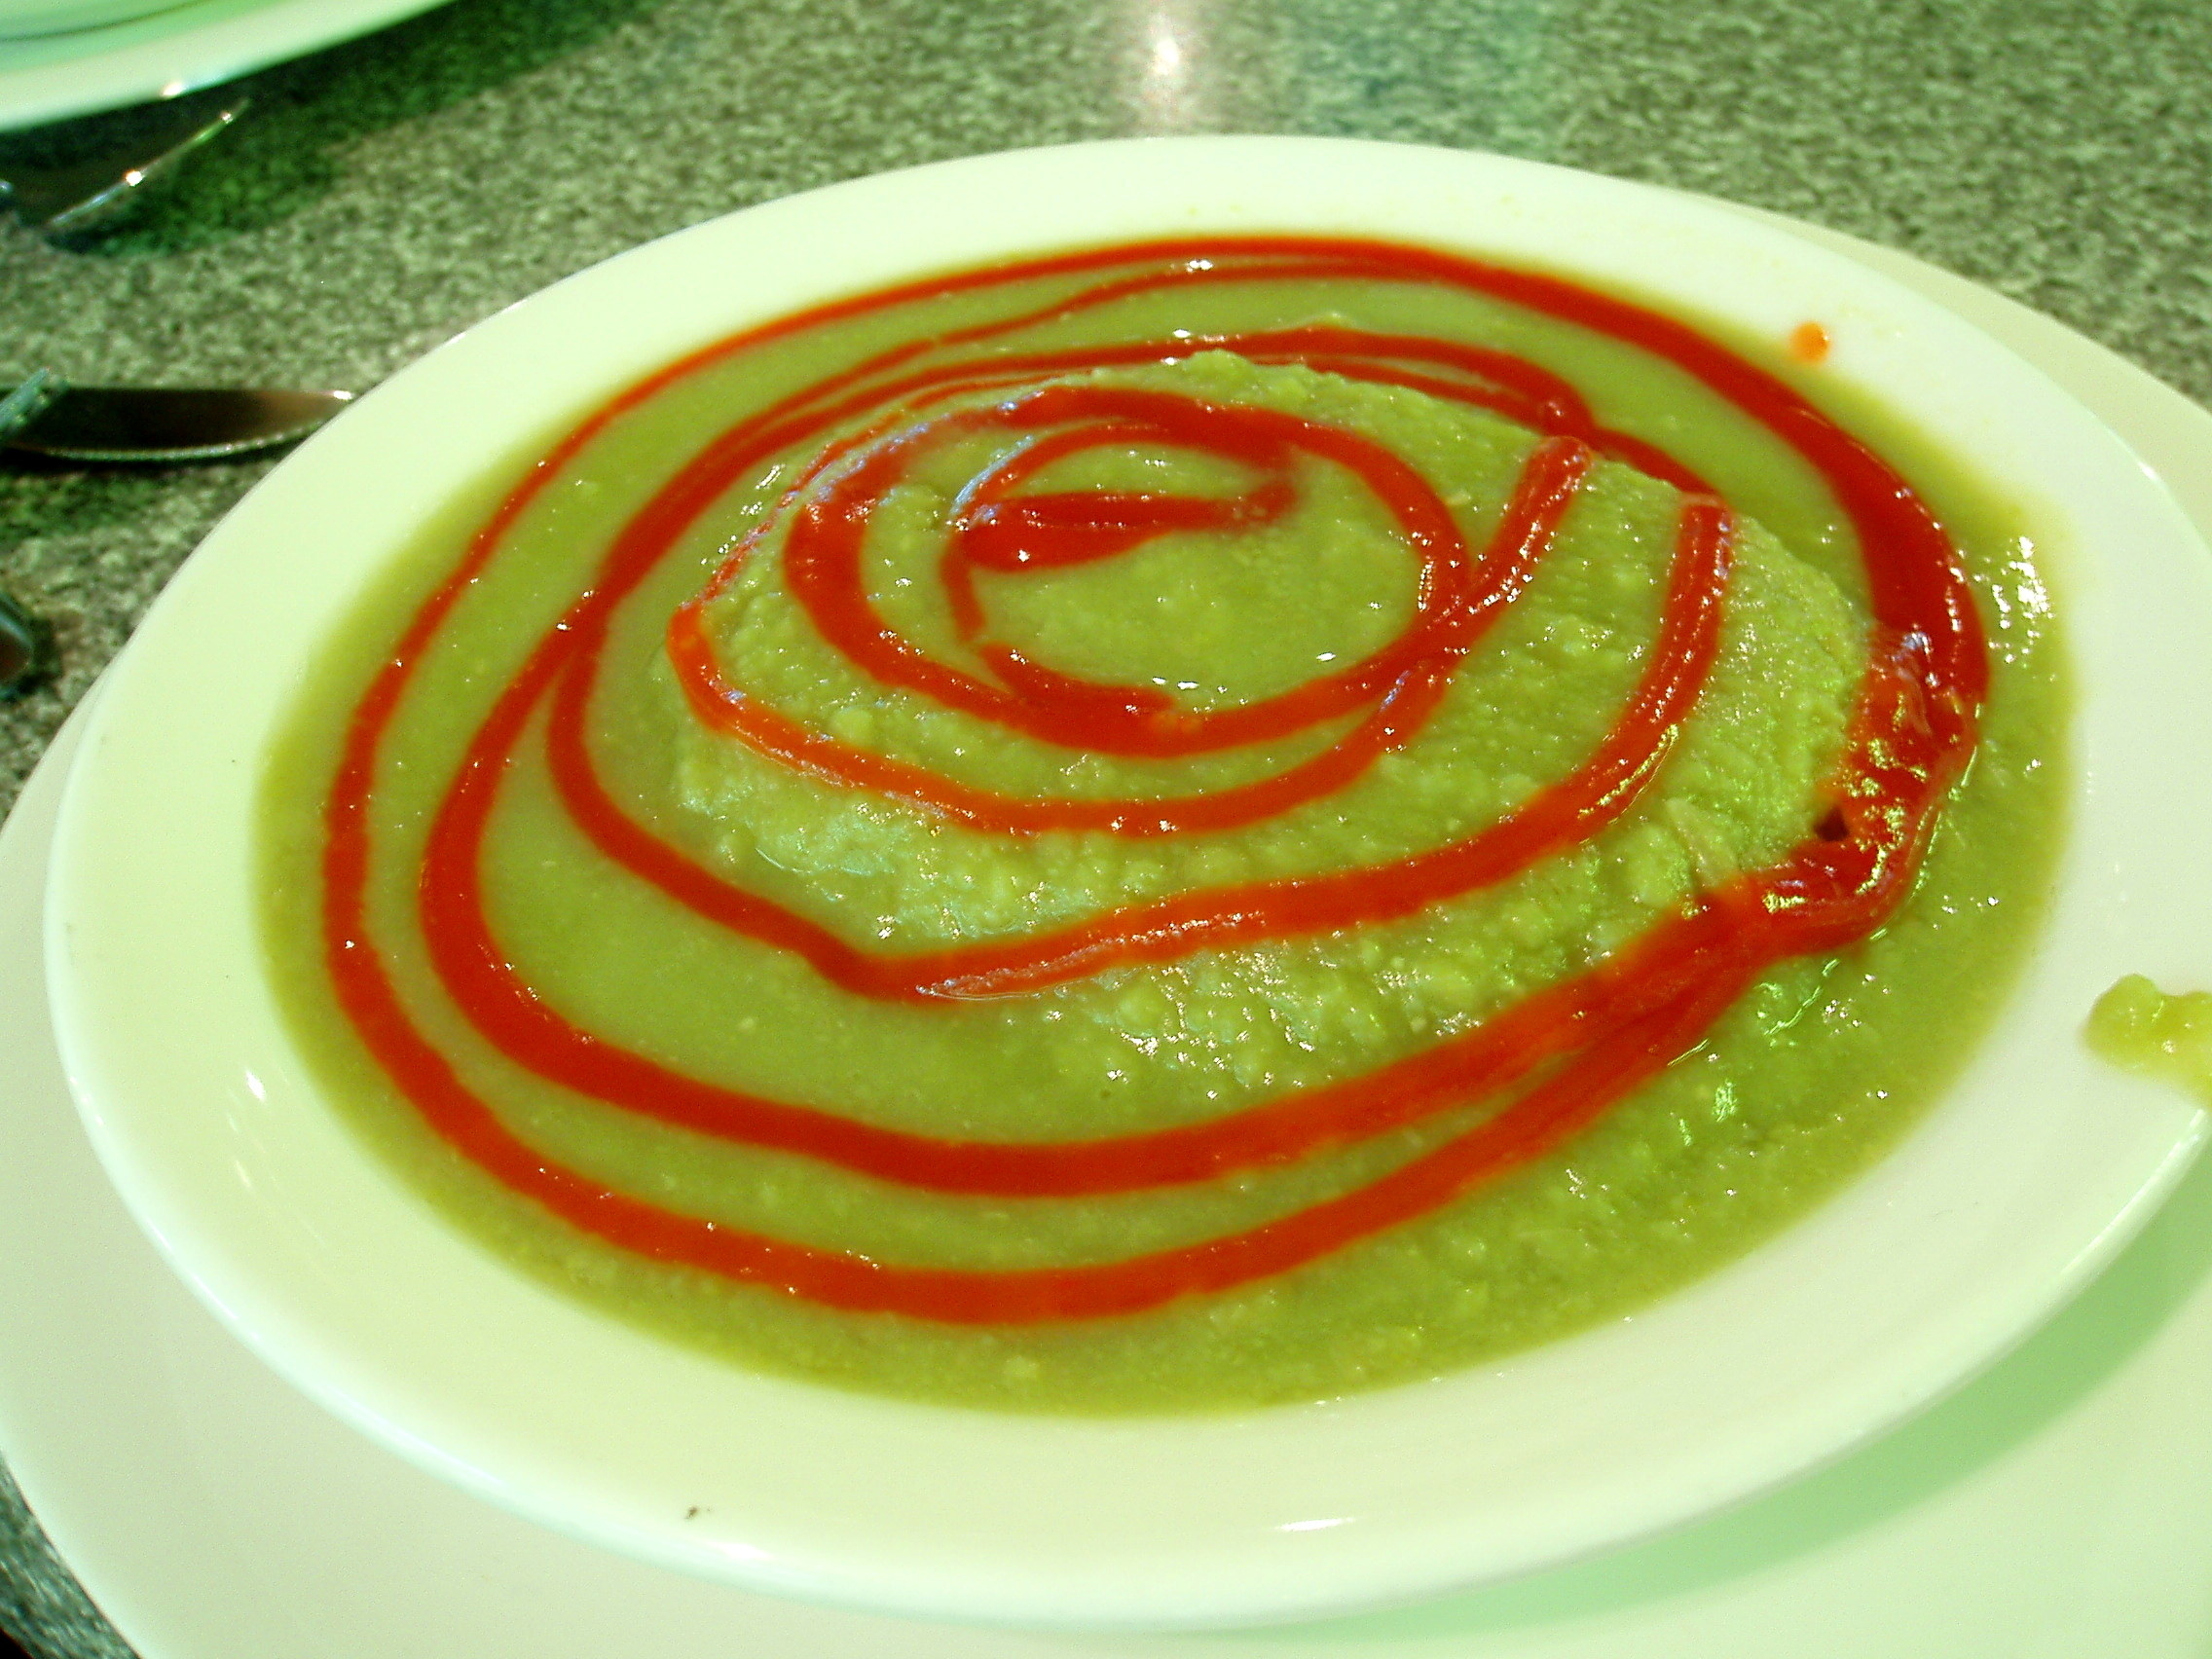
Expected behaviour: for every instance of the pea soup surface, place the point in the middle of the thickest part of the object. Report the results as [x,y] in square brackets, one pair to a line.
[1170,827]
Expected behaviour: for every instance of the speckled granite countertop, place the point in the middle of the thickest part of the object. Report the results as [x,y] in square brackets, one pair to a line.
[386,194]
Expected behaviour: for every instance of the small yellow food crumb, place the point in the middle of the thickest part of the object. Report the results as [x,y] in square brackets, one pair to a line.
[2137,1026]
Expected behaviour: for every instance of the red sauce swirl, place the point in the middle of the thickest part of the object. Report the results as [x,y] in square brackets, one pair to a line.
[1551,1063]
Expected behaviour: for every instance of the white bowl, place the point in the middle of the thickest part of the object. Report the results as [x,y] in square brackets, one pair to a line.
[2027,1175]
[19,18]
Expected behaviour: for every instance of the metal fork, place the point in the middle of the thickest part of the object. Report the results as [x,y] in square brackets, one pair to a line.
[88,195]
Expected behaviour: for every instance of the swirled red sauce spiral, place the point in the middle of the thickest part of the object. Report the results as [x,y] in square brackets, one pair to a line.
[1548,1064]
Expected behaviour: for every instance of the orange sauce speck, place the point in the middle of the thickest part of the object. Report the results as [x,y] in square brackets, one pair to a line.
[1809,343]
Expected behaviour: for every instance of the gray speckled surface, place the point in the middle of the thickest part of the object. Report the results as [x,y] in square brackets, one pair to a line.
[388,193]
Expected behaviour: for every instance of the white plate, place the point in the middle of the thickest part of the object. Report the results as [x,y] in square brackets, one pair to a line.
[195,42]
[2060,1506]
[2030,1174]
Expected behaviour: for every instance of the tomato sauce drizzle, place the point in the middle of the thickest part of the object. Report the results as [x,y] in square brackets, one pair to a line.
[1553,1061]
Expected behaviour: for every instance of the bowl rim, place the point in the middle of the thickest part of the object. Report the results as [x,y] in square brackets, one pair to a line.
[2029,1173]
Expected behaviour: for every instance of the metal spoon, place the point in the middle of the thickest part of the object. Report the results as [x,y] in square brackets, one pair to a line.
[26,650]
[88,194]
